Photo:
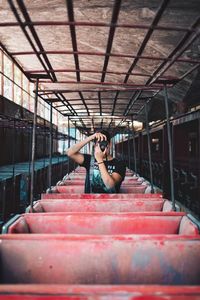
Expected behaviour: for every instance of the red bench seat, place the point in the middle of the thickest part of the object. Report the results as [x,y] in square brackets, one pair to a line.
[103,223]
[101,205]
[80,259]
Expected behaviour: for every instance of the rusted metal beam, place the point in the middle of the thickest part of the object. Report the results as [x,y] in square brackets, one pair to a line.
[116,10]
[27,18]
[148,35]
[183,45]
[136,88]
[89,53]
[70,12]
[5,51]
[84,103]
[134,97]
[87,71]
[15,12]
[100,107]
[66,102]
[88,82]
[114,102]
[95,24]
[190,71]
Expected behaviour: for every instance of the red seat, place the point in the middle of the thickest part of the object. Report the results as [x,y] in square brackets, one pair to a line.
[101,205]
[98,292]
[100,196]
[79,259]
[103,223]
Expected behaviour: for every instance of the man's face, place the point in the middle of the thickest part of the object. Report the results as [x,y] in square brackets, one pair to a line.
[104,146]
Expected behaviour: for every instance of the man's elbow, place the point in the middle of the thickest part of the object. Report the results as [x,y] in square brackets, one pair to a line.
[110,184]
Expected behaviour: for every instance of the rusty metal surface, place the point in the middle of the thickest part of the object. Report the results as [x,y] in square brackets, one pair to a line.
[106,58]
[80,189]
[96,292]
[100,260]
[100,205]
[101,223]
[99,196]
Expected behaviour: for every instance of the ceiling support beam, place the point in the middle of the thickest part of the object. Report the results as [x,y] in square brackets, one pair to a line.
[95,24]
[116,10]
[148,35]
[181,47]
[34,34]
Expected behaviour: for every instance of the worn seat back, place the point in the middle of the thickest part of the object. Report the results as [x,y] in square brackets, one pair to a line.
[101,205]
[100,196]
[55,259]
[103,223]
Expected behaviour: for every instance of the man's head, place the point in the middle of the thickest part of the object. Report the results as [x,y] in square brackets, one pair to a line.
[107,134]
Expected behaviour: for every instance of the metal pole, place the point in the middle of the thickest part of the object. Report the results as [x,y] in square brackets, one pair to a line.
[57,144]
[29,150]
[13,163]
[113,146]
[149,149]
[68,143]
[50,148]
[33,144]
[134,150]
[118,146]
[170,150]
[44,149]
[63,150]
[30,132]
[75,141]
[129,154]
[122,146]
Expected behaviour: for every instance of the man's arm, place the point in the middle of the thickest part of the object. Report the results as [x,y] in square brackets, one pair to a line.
[110,181]
[74,153]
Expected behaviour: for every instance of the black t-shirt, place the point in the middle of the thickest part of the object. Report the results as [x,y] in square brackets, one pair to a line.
[97,184]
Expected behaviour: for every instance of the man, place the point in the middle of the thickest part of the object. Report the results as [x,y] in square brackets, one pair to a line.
[108,172]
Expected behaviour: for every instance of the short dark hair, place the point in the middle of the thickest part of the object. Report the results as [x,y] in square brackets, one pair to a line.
[106,133]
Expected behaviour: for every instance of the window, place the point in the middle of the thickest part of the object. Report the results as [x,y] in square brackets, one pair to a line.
[17,85]
[8,72]
[26,96]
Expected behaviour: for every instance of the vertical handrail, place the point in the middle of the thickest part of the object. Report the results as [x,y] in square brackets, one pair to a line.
[3,199]
[134,150]
[129,154]
[170,150]
[122,145]
[68,125]
[33,145]
[149,149]
[44,148]
[30,131]
[119,145]
[75,140]
[57,145]
[50,148]
[63,151]
[113,146]
[13,163]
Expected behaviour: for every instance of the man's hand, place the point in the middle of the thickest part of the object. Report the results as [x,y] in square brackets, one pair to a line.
[98,136]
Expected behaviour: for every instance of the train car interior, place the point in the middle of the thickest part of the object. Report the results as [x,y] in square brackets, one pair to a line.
[100,149]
